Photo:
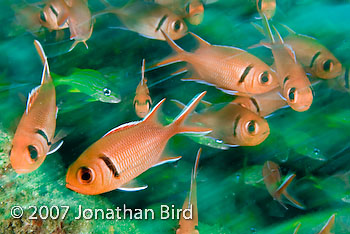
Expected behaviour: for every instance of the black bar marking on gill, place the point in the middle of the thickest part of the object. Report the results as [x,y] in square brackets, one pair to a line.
[43,134]
[245,73]
[255,104]
[161,22]
[235,126]
[110,165]
[346,77]
[314,58]
[53,10]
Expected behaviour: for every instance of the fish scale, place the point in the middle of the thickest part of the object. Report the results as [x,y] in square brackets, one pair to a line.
[133,148]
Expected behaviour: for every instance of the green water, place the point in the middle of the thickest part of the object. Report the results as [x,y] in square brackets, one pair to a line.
[231,196]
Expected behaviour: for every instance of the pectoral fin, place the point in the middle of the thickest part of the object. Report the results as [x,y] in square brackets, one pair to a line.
[133,186]
[55,146]
[167,160]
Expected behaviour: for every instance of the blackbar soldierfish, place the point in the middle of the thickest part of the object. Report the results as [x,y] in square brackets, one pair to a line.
[266,7]
[189,226]
[233,124]
[114,161]
[230,69]
[295,85]
[148,19]
[314,57]
[34,137]
[262,104]
[80,22]
[142,100]
[272,178]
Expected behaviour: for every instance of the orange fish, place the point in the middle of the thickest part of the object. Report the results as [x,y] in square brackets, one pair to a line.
[149,18]
[195,12]
[326,228]
[233,124]
[54,15]
[34,137]
[190,225]
[230,69]
[262,104]
[80,21]
[295,85]
[266,7]
[142,100]
[28,17]
[272,179]
[114,161]
[315,58]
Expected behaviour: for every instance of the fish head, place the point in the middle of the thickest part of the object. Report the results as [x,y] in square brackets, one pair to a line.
[268,7]
[250,129]
[89,174]
[195,12]
[53,16]
[263,79]
[142,104]
[174,26]
[107,95]
[298,94]
[327,66]
[28,152]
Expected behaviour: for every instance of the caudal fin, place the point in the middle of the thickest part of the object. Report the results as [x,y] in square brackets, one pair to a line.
[178,122]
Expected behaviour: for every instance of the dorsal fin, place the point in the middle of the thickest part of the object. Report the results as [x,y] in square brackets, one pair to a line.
[201,41]
[328,226]
[193,177]
[170,41]
[143,80]
[122,127]
[40,50]
[267,28]
[31,98]
[152,116]
[279,35]
[290,31]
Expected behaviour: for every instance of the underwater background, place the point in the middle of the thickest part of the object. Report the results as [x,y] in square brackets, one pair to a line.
[232,198]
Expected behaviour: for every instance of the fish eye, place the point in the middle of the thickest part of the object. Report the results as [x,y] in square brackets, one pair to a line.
[42,16]
[177,25]
[33,152]
[328,65]
[291,94]
[252,127]
[107,92]
[264,78]
[85,175]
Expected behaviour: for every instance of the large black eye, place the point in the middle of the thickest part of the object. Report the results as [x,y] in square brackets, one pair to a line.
[264,78]
[33,152]
[291,94]
[85,175]
[177,25]
[328,65]
[251,127]
[42,16]
[107,92]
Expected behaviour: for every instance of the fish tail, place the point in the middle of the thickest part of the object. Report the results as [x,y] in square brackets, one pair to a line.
[178,126]
[43,57]
[293,201]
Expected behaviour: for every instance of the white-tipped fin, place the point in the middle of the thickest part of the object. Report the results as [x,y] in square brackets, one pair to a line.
[170,41]
[267,28]
[152,115]
[143,80]
[123,126]
[43,58]
[164,160]
[31,98]
[133,186]
[201,41]
[54,147]
[193,177]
